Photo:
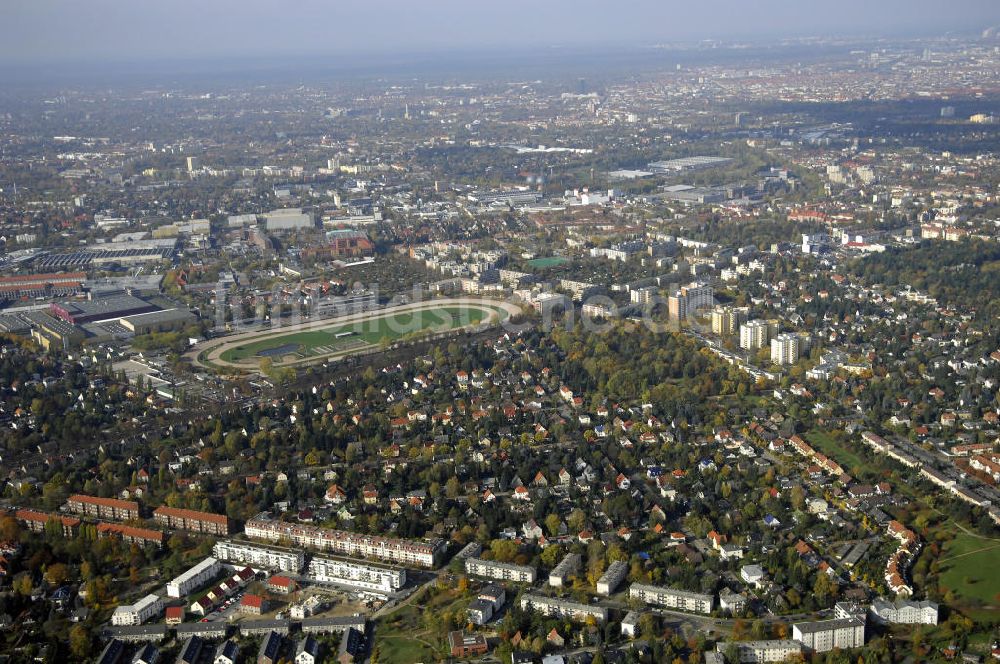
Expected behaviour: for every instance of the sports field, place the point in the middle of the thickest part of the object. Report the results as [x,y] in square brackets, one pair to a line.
[335,338]
[359,334]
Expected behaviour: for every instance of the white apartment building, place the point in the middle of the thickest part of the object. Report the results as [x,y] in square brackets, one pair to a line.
[345,543]
[612,578]
[786,349]
[261,557]
[699,296]
[596,310]
[630,624]
[905,612]
[644,295]
[374,578]
[492,569]
[568,565]
[560,608]
[689,299]
[755,334]
[146,608]
[672,598]
[194,578]
[763,651]
[825,635]
[726,321]
[579,290]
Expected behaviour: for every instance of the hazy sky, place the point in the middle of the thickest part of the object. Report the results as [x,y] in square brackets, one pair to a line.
[123,30]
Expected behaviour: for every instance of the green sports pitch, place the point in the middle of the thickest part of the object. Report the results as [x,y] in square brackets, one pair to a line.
[344,338]
[547,262]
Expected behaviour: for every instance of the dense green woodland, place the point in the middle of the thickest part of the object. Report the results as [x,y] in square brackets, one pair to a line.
[959,274]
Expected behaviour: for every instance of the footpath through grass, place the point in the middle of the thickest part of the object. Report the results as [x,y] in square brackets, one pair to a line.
[406,635]
[969,568]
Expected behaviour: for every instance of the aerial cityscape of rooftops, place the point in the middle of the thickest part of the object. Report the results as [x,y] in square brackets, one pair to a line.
[671,350]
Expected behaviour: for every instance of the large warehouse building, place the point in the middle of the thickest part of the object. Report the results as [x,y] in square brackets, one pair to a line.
[79,312]
[288,219]
[168,320]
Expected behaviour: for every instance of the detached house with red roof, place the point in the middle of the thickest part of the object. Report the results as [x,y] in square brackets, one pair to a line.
[281,584]
[335,495]
[252,604]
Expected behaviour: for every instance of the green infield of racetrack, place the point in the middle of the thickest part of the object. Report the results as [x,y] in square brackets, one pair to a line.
[365,332]
[547,262]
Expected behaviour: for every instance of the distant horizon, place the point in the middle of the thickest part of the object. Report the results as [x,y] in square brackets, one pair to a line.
[48,33]
[435,62]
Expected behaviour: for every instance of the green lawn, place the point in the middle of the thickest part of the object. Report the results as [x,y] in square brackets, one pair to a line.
[370,331]
[403,637]
[547,262]
[970,569]
[848,458]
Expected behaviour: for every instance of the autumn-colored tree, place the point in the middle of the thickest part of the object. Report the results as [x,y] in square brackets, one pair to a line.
[577,520]
[503,550]
[22,585]
[79,642]
[551,555]
[552,523]
[9,529]
[57,574]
